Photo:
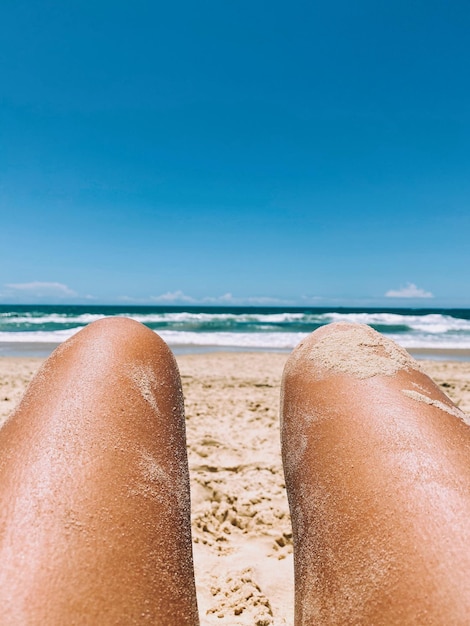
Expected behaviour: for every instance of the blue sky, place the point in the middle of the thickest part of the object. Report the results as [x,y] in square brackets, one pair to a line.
[235,152]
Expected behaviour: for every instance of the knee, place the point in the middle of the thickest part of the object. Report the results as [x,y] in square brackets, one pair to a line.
[116,339]
[331,337]
[354,350]
[120,329]
[318,347]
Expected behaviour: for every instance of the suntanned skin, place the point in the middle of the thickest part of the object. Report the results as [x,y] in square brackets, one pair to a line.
[377,470]
[94,489]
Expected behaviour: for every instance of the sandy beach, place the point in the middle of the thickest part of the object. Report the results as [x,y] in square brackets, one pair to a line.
[241,527]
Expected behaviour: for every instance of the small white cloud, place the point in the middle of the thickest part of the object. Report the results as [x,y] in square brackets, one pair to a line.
[41,289]
[173,296]
[310,299]
[265,300]
[410,291]
[229,298]
[226,298]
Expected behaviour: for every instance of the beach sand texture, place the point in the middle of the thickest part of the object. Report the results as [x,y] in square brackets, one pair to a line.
[241,527]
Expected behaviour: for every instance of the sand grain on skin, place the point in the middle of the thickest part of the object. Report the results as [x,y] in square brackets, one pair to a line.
[357,350]
[448,408]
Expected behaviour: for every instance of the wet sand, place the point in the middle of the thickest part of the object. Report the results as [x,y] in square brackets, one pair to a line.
[241,527]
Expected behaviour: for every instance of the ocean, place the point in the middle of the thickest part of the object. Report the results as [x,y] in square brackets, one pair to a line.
[35,330]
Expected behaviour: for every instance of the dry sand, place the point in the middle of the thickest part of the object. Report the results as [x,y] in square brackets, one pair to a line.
[241,528]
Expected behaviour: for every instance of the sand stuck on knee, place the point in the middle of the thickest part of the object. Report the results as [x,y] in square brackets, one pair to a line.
[353,349]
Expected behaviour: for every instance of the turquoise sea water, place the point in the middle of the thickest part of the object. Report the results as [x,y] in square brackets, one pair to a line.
[36,330]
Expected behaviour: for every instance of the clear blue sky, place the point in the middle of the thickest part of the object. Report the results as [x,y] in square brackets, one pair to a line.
[302,152]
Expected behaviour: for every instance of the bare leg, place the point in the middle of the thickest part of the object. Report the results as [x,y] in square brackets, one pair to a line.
[94,489]
[377,465]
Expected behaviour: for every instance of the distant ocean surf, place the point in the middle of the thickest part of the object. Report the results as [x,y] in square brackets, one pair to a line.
[434,333]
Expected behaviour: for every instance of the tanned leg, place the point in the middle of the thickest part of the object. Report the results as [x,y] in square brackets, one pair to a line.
[377,466]
[94,489]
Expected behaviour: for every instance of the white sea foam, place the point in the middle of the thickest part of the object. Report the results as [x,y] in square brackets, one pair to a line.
[175,338]
[39,336]
[431,323]
[187,316]
[149,318]
[253,329]
[255,340]
[267,340]
[53,318]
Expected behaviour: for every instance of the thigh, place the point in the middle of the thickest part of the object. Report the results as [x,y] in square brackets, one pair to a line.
[94,489]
